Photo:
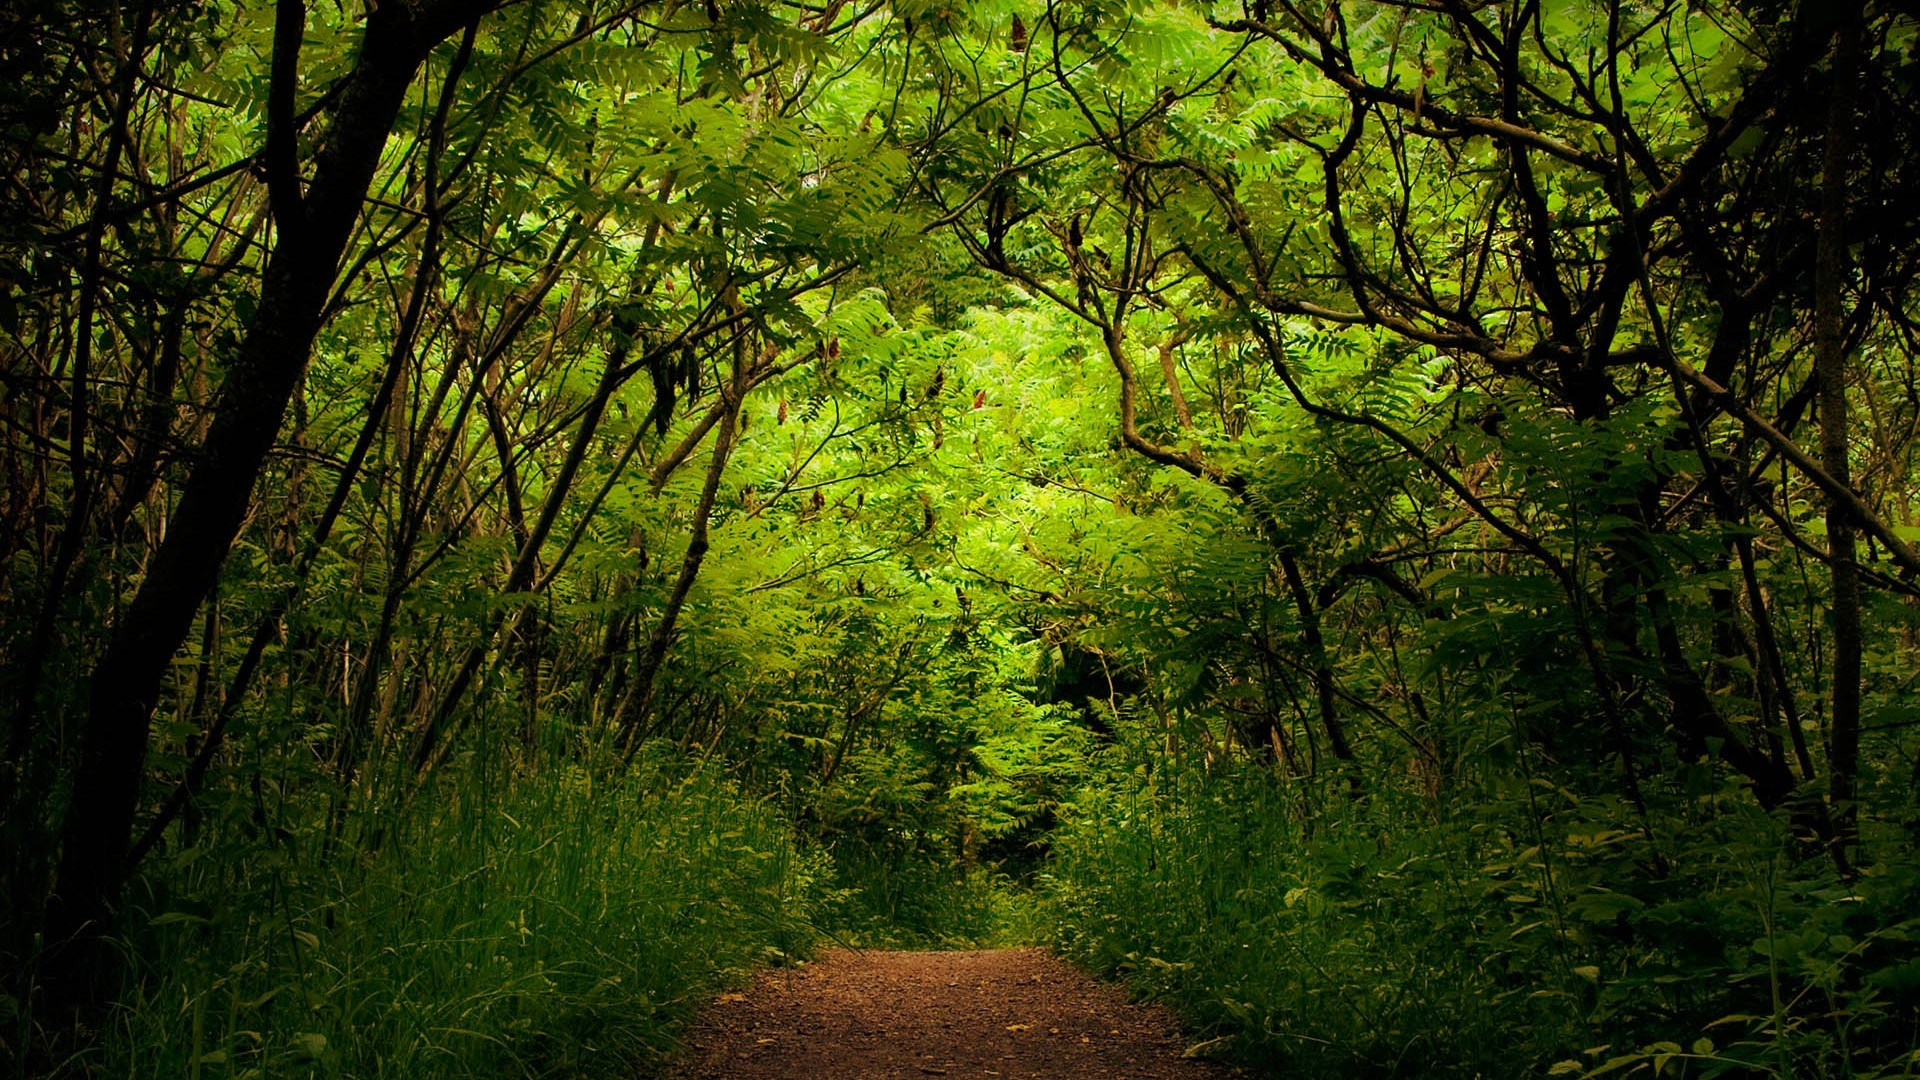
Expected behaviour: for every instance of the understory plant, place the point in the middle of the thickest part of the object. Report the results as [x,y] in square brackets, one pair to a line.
[544,925]
[1530,930]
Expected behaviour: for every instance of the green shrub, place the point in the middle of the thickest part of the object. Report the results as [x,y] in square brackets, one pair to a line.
[1537,931]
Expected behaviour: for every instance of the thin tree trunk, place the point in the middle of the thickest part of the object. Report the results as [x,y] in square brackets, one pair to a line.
[81,491]
[638,701]
[1843,730]
[1324,689]
[521,576]
[313,231]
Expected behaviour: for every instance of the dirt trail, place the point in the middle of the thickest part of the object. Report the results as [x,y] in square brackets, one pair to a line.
[908,1015]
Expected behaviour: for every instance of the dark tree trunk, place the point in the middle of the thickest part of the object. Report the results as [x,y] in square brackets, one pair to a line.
[1324,689]
[312,235]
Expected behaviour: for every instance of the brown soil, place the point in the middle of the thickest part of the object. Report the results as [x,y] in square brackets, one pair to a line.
[874,1015]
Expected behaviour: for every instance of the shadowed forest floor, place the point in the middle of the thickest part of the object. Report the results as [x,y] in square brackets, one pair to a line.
[873,1015]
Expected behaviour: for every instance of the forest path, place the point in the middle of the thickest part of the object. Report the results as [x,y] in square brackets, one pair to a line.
[875,1015]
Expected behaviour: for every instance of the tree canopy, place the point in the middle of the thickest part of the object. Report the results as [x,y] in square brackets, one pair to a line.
[1351,516]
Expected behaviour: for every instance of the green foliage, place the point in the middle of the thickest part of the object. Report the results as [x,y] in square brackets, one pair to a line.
[538,927]
[1243,472]
[1527,931]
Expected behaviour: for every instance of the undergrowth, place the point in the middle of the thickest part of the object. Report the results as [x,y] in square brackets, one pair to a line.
[1536,932]
[533,926]
[922,903]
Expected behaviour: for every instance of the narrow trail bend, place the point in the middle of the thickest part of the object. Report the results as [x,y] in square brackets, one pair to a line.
[909,1015]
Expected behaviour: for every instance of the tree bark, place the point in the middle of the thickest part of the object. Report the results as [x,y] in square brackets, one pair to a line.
[313,229]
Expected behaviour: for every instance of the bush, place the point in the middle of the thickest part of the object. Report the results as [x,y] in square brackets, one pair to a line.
[1536,931]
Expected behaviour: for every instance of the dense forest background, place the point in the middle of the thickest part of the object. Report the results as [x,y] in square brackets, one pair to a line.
[1389,525]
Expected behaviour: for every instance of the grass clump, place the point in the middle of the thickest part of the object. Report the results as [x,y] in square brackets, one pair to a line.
[534,926]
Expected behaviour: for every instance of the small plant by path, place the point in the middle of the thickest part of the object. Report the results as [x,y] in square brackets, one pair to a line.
[872,1015]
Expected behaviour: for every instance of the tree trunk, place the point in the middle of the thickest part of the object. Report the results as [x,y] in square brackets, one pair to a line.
[312,236]
[1324,689]
[638,700]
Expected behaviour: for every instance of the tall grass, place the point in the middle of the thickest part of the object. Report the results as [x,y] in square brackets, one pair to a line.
[531,926]
[1320,956]
[922,899]
[1533,932]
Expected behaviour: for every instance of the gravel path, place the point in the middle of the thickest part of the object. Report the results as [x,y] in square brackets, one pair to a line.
[892,1015]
